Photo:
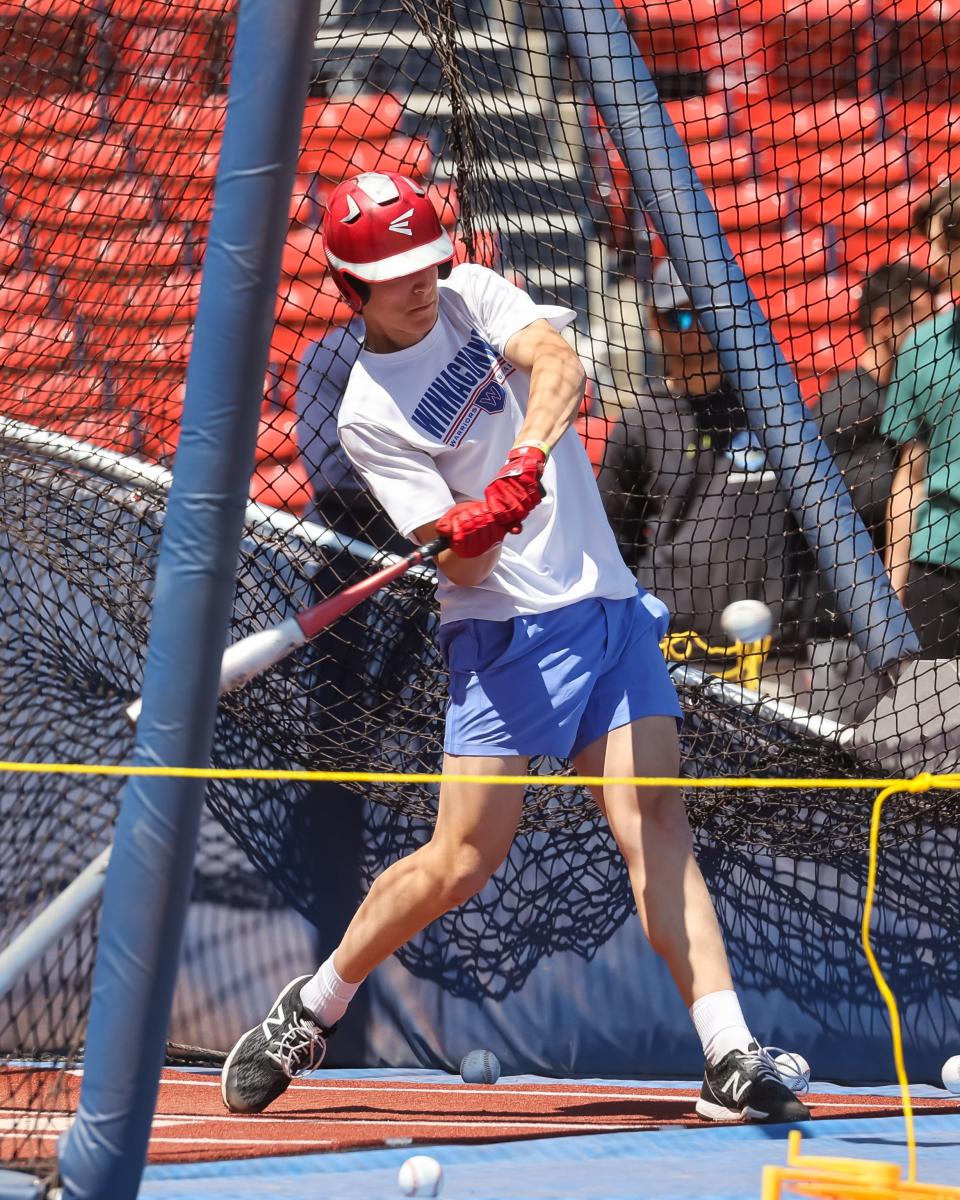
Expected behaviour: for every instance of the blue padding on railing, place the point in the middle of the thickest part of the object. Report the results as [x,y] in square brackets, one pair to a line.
[148,883]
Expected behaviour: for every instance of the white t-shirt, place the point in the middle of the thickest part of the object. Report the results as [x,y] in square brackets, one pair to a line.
[431,425]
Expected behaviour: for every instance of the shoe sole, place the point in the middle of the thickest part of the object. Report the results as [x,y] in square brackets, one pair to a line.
[243,1037]
[720,1112]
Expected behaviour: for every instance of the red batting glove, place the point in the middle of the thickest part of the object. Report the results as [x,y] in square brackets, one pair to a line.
[472,529]
[516,491]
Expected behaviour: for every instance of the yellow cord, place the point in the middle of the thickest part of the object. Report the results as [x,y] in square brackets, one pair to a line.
[920,784]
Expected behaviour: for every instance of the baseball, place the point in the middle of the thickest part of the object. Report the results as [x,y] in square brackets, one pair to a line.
[794,1070]
[951,1074]
[746,621]
[480,1066]
[420,1176]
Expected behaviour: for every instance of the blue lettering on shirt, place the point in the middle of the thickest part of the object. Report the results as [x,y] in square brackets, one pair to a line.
[471,383]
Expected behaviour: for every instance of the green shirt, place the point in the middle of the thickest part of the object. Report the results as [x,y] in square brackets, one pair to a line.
[922,404]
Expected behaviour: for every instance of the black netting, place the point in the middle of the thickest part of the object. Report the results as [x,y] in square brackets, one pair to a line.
[825,137]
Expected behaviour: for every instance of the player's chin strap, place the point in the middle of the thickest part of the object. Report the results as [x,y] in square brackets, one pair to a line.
[750,656]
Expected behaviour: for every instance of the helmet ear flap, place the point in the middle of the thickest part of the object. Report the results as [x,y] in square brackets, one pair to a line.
[359,286]
[443,271]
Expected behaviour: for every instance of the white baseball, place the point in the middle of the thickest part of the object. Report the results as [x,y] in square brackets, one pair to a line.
[746,621]
[794,1070]
[951,1075]
[420,1175]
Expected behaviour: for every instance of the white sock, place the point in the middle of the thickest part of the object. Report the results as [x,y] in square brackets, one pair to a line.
[327,995]
[720,1025]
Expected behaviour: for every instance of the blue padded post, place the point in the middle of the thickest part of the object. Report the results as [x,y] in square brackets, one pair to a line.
[671,193]
[147,887]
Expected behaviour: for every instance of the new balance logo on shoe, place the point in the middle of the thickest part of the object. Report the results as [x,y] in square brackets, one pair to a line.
[736,1085]
[401,224]
[273,1020]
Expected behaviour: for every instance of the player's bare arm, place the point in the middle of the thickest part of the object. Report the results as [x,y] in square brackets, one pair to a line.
[906,493]
[464,572]
[557,381]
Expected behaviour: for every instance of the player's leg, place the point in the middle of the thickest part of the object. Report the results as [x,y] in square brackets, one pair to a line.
[475,826]
[651,829]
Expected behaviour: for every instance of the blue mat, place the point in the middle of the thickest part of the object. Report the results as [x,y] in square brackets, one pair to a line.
[670,1164]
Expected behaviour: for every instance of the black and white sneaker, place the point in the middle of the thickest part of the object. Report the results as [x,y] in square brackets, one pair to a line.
[746,1086]
[260,1066]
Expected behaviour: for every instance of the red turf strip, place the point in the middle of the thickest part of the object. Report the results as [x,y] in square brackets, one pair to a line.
[328,1114]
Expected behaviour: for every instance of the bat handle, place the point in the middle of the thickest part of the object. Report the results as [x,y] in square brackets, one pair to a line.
[429,549]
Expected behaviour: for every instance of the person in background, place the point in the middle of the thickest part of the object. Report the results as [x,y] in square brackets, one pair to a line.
[697,516]
[893,300]
[684,358]
[921,415]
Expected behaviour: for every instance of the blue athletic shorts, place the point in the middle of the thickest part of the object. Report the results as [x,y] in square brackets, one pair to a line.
[554,682]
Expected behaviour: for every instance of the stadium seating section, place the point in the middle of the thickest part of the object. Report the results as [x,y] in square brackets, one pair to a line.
[818,126]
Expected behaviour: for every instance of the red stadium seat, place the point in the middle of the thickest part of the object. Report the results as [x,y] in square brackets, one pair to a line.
[311,307]
[828,122]
[172,300]
[851,164]
[276,437]
[130,200]
[177,51]
[886,211]
[703,118]
[793,256]
[676,37]
[141,251]
[407,155]
[486,249]
[37,117]
[372,117]
[338,159]
[304,209]
[42,45]
[825,300]
[816,352]
[112,431]
[445,200]
[303,254]
[282,485]
[76,161]
[36,343]
[164,345]
[43,396]
[26,293]
[181,164]
[158,12]
[752,203]
[13,241]
[729,160]
[593,432]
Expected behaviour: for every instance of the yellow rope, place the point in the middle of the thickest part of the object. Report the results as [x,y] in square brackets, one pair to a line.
[949,782]
[920,784]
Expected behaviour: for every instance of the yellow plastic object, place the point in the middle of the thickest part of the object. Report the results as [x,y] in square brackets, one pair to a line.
[749,656]
[843,1179]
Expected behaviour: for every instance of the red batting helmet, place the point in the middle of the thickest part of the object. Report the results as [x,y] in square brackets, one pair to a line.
[380,226]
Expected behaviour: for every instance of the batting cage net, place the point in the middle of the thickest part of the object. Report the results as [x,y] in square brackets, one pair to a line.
[823,135]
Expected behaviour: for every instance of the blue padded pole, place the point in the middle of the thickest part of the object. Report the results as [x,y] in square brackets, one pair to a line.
[147,888]
[674,198]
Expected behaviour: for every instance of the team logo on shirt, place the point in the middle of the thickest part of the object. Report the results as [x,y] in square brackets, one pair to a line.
[471,383]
